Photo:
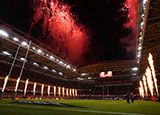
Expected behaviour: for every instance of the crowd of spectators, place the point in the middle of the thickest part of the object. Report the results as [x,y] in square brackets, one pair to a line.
[85,90]
[122,81]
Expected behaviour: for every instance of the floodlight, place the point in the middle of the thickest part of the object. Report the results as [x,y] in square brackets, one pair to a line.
[6,53]
[3,33]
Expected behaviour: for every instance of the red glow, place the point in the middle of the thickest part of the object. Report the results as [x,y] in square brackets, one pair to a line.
[61,31]
[105,74]
[131,7]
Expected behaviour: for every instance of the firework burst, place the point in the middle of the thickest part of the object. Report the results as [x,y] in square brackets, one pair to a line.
[59,28]
[130,6]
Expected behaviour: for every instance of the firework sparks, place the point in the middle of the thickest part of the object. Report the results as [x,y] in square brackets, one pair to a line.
[49,90]
[54,90]
[130,6]
[34,88]
[5,83]
[76,93]
[42,88]
[25,89]
[140,92]
[151,63]
[73,92]
[59,91]
[70,92]
[142,89]
[59,27]
[17,84]
[63,91]
[67,92]
[145,85]
[149,80]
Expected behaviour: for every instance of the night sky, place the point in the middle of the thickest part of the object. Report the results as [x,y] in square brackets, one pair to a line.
[102,19]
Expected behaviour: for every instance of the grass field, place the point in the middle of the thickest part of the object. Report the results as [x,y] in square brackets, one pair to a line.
[92,107]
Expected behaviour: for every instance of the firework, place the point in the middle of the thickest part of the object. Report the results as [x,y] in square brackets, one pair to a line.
[34,88]
[73,92]
[49,90]
[54,90]
[149,80]
[42,88]
[70,92]
[130,6]
[17,84]
[63,91]
[25,89]
[140,92]
[76,93]
[59,91]
[151,63]
[67,92]
[5,83]
[142,89]
[145,85]
[59,27]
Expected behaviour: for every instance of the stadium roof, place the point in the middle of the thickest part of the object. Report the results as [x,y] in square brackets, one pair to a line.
[151,43]
[39,59]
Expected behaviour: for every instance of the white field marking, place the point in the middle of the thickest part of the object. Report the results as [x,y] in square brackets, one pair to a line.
[75,110]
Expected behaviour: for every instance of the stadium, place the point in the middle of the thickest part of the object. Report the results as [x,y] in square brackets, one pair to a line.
[52,60]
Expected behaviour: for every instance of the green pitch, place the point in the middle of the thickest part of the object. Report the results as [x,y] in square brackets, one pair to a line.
[92,107]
